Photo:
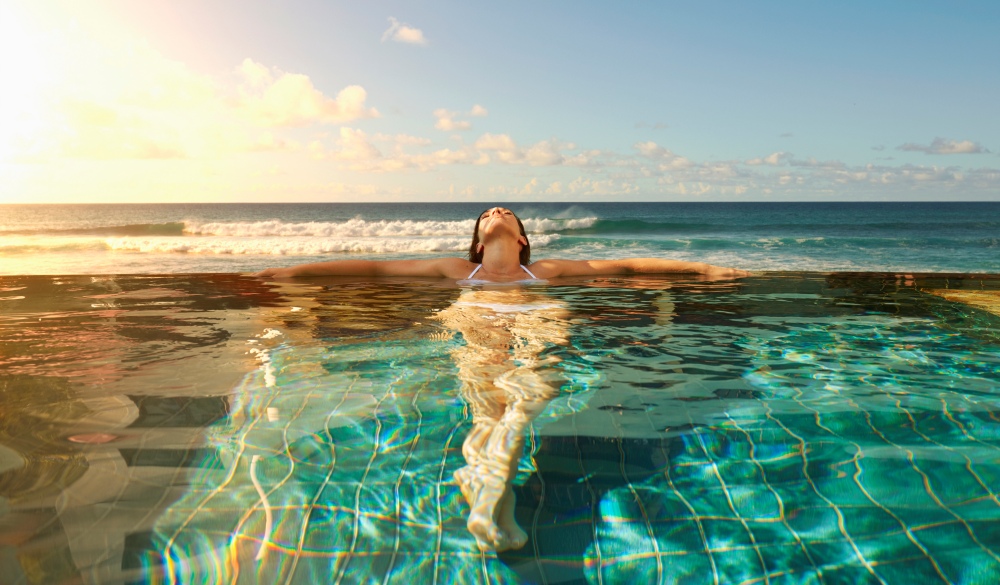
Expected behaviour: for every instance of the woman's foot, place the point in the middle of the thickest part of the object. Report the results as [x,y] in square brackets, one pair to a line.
[516,537]
[491,517]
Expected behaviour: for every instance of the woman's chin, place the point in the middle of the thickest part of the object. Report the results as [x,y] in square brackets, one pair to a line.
[497,231]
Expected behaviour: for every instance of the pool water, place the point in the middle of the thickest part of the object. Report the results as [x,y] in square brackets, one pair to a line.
[783,428]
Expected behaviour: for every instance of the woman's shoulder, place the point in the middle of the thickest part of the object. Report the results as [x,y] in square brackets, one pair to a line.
[431,267]
[549,267]
[456,268]
[553,268]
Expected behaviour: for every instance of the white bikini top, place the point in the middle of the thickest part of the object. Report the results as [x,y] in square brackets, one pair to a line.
[470,280]
[523,267]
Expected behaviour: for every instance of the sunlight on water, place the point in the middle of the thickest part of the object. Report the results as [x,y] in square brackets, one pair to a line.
[218,428]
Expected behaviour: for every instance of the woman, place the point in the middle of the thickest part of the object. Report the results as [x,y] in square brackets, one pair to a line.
[505,364]
[500,252]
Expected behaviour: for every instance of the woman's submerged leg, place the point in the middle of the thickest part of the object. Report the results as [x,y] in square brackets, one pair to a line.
[479,367]
[504,383]
[490,477]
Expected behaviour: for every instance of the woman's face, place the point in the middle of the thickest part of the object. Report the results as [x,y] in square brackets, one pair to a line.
[498,219]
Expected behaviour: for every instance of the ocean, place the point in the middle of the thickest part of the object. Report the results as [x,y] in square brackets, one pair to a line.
[200,238]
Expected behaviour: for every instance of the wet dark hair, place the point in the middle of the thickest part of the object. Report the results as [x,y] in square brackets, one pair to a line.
[477,256]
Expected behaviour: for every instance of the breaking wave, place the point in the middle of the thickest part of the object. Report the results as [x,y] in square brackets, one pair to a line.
[361,228]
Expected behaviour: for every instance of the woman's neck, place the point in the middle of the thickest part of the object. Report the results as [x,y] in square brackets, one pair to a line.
[502,258]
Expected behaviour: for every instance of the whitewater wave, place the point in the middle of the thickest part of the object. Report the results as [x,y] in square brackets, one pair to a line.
[541,225]
[417,243]
[36,245]
[283,246]
[361,228]
[302,246]
[353,228]
[132,229]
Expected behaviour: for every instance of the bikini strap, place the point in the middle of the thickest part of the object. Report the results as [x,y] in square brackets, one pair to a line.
[525,268]
[475,271]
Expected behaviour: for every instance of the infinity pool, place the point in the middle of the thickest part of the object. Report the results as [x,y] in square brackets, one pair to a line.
[783,428]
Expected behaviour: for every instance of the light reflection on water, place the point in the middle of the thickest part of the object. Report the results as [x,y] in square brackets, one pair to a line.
[216,428]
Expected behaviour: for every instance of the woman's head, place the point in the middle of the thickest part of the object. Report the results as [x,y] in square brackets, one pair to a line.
[476,249]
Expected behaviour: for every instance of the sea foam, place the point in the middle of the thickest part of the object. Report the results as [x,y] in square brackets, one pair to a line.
[360,228]
[298,246]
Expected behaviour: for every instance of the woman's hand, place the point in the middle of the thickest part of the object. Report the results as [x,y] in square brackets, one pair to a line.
[276,273]
[712,271]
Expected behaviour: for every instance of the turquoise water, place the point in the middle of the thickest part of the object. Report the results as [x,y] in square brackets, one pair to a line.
[784,428]
[179,238]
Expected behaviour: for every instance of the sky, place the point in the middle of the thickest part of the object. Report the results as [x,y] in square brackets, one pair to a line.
[257,101]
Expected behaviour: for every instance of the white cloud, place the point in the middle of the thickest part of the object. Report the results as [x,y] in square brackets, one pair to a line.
[665,157]
[403,33]
[356,151]
[545,153]
[355,146]
[466,192]
[266,142]
[817,164]
[449,121]
[695,189]
[501,146]
[665,160]
[587,158]
[651,149]
[446,156]
[922,174]
[446,121]
[256,74]
[368,191]
[402,139]
[653,169]
[532,187]
[774,159]
[290,99]
[943,146]
[316,150]
[720,170]
[675,164]
[584,186]
[359,152]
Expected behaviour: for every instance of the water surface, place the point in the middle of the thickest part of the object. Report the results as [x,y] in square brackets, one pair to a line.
[784,428]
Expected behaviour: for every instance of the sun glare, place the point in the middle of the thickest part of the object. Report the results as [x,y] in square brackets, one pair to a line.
[26,68]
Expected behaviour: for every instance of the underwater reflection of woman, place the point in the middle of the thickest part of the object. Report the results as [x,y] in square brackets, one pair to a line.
[500,252]
[508,372]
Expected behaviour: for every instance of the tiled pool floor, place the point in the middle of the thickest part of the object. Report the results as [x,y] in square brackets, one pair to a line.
[785,428]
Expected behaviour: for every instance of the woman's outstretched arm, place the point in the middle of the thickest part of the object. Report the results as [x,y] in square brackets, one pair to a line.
[439,267]
[556,268]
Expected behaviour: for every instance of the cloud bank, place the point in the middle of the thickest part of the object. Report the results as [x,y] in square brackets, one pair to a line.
[943,146]
[290,99]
